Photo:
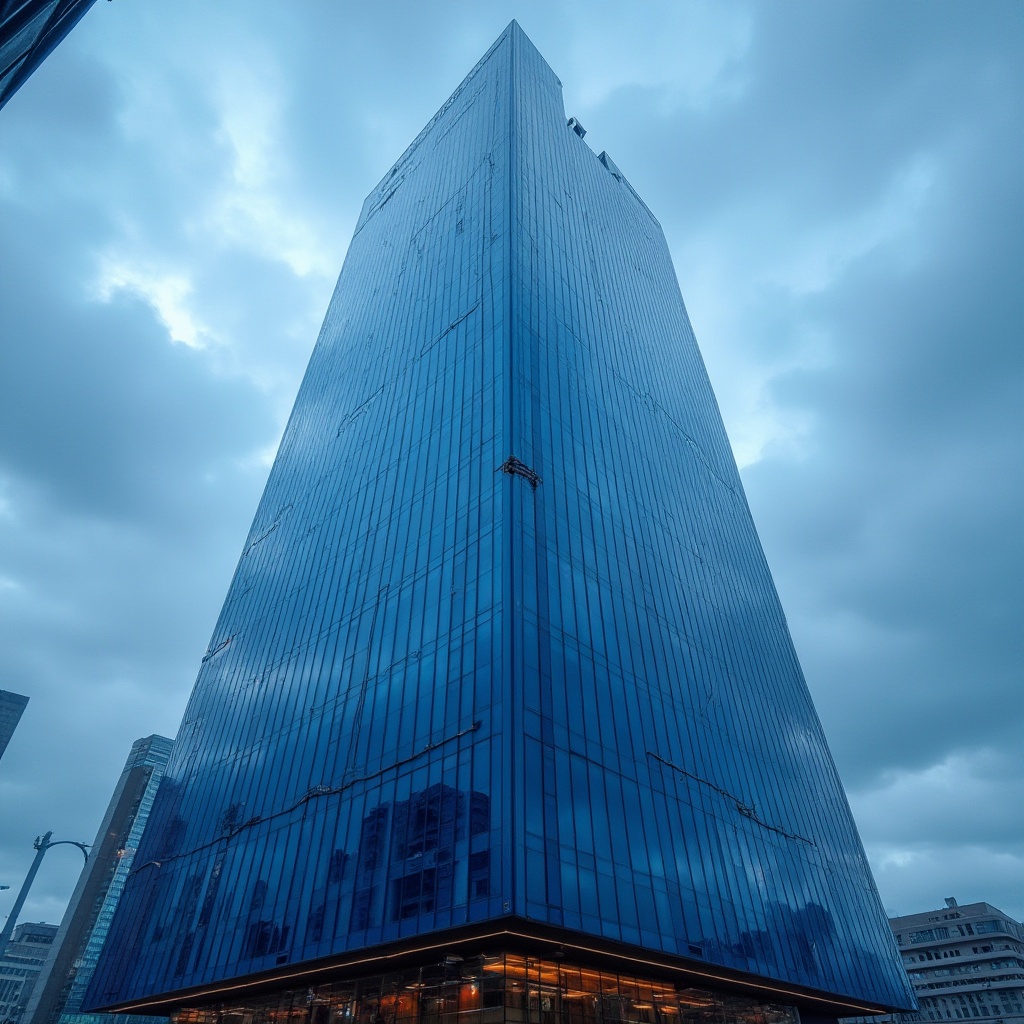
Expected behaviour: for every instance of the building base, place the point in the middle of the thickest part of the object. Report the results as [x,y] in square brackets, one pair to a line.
[512,973]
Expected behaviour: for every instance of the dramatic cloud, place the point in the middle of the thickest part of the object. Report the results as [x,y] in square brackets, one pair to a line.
[841,189]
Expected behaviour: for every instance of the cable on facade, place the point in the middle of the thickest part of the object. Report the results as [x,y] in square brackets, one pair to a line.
[311,794]
[747,810]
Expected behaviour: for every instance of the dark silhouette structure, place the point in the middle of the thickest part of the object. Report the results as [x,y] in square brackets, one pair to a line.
[29,32]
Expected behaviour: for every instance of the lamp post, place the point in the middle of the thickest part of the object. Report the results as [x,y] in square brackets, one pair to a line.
[41,845]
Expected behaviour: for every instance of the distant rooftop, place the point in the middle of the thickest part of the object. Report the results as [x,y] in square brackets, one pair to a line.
[952,911]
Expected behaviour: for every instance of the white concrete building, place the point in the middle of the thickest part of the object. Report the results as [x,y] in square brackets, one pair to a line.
[965,963]
[20,965]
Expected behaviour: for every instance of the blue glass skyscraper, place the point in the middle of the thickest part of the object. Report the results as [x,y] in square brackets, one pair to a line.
[501,717]
[29,32]
[12,707]
[57,994]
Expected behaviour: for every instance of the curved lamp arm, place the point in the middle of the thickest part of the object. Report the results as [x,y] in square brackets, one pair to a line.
[41,845]
[84,847]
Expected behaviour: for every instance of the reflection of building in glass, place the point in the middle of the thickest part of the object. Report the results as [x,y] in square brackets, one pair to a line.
[411,858]
[29,32]
[502,668]
[20,965]
[57,996]
[965,963]
[12,706]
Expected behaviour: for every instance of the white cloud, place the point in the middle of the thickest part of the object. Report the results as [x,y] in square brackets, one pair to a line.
[690,53]
[946,829]
[6,505]
[823,251]
[729,288]
[252,210]
[918,877]
[968,793]
[726,303]
[166,292]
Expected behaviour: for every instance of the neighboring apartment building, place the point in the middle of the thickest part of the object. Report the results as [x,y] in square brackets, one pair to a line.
[57,995]
[20,965]
[965,963]
[501,719]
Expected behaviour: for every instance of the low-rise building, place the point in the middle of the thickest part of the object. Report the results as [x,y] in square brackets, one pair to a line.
[20,965]
[965,963]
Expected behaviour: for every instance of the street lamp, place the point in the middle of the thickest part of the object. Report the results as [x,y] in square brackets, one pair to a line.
[41,845]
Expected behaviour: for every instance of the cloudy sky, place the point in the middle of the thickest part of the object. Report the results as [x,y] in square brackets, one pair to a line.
[841,187]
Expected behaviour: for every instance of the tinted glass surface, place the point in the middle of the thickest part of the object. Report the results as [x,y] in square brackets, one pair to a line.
[502,639]
[29,32]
